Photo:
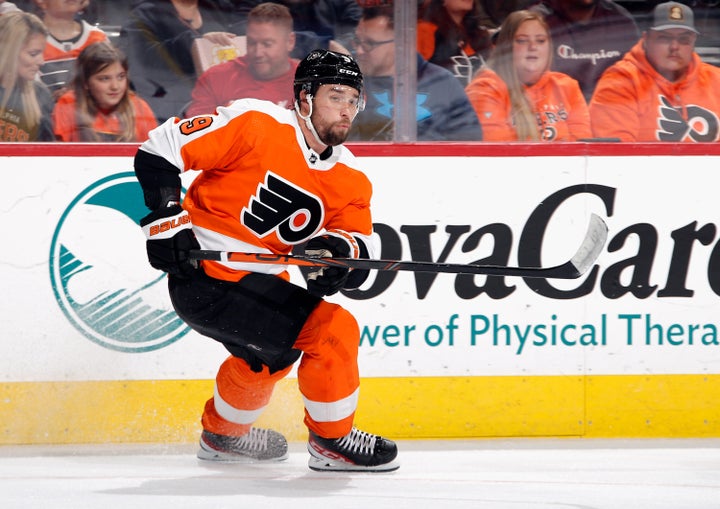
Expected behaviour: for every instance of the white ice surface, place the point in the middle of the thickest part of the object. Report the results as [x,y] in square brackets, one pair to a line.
[479,474]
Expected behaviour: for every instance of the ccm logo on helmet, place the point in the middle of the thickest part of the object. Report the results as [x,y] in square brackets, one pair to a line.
[169,225]
[347,71]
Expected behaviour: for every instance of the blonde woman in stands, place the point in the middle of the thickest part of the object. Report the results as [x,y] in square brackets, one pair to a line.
[25,103]
[517,97]
[101,106]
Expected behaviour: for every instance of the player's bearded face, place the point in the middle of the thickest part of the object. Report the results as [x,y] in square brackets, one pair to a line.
[330,133]
[335,107]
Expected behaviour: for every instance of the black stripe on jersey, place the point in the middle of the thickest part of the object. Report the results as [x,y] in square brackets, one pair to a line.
[154,173]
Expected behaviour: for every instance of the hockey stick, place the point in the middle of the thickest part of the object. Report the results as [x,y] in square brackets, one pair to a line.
[585,257]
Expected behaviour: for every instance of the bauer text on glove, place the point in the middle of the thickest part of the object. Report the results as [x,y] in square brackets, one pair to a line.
[169,240]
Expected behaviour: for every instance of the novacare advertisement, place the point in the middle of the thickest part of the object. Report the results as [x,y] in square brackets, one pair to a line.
[646,308]
[80,301]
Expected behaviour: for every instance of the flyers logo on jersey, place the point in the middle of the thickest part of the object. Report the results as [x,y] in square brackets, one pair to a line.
[279,206]
[702,125]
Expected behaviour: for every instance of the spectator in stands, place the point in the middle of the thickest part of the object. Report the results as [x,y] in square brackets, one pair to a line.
[158,40]
[265,72]
[589,36]
[6,7]
[494,12]
[68,35]
[443,110]
[326,24]
[660,90]
[449,34]
[518,98]
[100,106]
[25,102]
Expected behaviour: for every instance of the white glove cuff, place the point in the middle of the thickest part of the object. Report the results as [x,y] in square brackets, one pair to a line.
[349,239]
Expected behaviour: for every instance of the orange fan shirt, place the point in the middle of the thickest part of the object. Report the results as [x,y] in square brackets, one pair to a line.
[260,188]
[106,125]
[633,102]
[559,106]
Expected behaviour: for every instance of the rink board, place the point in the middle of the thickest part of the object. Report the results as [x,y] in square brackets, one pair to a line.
[92,351]
[637,406]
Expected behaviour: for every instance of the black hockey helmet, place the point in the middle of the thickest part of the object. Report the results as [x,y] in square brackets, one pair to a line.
[325,67]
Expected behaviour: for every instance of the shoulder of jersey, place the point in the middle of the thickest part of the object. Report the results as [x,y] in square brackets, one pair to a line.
[246,105]
[281,115]
[347,158]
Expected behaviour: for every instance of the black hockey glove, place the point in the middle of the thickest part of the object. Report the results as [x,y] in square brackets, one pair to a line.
[169,239]
[323,281]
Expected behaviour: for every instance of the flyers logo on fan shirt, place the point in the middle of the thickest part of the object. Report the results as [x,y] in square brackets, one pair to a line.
[281,207]
[702,124]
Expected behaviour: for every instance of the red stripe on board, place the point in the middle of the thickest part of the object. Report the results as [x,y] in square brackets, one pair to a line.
[68,149]
[486,149]
[444,149]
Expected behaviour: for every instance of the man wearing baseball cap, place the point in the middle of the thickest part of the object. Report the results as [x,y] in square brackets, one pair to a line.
[660,90]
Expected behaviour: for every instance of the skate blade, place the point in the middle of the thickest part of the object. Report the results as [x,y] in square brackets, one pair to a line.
[223,457]
[327,465]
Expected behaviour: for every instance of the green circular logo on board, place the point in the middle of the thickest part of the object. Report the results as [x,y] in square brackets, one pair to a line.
[100,275]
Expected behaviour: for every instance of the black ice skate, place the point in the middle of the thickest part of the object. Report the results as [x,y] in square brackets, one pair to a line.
[255,446]
[356,451]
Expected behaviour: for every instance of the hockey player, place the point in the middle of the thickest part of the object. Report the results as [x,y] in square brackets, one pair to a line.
[271,178]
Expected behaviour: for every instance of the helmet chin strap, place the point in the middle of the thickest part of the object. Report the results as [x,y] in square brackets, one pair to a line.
[308,121]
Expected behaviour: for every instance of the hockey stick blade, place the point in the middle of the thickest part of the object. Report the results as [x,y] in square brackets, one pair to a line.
[585,257]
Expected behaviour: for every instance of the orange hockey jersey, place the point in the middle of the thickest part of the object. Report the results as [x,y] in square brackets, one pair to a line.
[560,108]
[106,126]
[61,50]
[633,102]
[261,189]
[59,67]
